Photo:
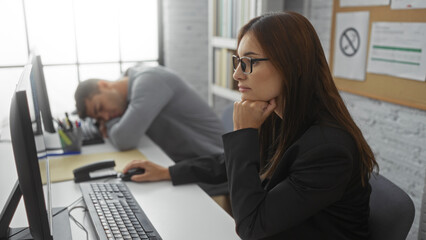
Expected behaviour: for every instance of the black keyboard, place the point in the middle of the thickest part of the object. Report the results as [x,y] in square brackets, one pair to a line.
[90,132]
[114,212]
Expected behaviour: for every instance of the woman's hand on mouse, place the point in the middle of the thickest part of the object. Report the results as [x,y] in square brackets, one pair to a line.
[251,114]
[153,172]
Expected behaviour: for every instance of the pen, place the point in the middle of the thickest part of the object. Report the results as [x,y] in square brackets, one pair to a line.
[60,124]
[68,120]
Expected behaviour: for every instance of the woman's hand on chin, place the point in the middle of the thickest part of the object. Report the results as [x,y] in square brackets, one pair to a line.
[251,114]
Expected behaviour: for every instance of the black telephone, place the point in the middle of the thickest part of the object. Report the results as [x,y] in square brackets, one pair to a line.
[97,170]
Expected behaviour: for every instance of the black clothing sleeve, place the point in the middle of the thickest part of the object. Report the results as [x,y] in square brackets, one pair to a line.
[301,200]
[207,169]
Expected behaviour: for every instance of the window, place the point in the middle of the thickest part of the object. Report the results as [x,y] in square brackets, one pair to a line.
[77,40]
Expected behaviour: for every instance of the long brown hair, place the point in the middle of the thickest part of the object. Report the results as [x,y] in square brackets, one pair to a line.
[293,47]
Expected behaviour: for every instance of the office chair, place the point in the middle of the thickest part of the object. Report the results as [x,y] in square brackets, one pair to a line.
[227,118]
[391,210]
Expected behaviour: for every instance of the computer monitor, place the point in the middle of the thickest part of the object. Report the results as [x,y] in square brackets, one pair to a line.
[29,183]
[38,84]
[32,97]
[40,104]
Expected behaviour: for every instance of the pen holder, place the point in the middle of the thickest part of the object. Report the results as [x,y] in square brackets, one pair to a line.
[71,140]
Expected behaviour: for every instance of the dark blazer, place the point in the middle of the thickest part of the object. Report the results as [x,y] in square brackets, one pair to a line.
[208,172]
[315,192]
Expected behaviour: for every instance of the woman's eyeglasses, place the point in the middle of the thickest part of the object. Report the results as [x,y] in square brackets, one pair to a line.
[246,63]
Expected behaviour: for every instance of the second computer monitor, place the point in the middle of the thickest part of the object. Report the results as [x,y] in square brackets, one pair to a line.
[39,84]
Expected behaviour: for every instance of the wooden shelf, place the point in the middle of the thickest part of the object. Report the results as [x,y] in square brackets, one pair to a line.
[221,42]
[226,93]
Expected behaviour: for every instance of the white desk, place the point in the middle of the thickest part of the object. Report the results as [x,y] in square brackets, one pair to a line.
[177,212]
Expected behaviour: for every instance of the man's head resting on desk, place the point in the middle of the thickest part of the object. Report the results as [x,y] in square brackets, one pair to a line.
[101,99]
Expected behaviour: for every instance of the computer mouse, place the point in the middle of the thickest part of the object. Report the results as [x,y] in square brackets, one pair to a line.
[133,171]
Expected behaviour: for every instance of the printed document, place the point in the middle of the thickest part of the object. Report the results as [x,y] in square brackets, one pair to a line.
[320,15]
[398,49]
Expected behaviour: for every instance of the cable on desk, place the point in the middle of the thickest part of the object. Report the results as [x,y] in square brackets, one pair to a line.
[77,222]
[68,207]
[76,201]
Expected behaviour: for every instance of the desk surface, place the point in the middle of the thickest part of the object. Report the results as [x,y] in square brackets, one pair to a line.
[177,212]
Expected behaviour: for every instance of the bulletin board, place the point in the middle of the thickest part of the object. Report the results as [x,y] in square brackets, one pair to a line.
[392,89]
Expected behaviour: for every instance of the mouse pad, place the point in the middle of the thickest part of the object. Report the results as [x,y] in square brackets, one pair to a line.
[61,167]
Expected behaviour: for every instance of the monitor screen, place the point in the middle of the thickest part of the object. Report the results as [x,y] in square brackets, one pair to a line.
[27,162]
[26,81]
[38,85]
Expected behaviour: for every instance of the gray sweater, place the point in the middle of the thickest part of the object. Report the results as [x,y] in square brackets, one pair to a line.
[166,109]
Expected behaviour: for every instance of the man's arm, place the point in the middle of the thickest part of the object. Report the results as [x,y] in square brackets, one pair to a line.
[149,95]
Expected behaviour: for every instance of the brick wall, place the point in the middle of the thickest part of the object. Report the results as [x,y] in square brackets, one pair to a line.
[186,41]
[422,223]
[397,136]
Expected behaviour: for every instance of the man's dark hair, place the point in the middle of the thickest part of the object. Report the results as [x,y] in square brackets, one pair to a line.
[85,90]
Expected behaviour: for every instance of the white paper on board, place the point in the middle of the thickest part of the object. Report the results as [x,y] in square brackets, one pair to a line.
[350,45]
[408,4]
[398,49]
[320,15]
[358,3]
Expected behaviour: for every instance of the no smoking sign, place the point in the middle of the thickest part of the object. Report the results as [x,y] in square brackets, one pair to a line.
[349,42]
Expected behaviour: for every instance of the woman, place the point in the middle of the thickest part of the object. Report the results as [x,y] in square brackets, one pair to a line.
[297,165]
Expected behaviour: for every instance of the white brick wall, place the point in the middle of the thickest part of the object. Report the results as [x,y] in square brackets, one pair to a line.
[186,41]
[422,227]
[396,134]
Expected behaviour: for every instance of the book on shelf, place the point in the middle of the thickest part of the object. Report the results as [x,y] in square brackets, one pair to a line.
[230,16]
[223,69]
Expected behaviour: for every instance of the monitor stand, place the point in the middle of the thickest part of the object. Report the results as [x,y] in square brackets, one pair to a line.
[61,224]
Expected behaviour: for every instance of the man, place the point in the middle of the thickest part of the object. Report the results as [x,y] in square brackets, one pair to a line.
[156,102]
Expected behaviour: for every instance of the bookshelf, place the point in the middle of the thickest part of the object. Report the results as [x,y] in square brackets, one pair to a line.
[226,17]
